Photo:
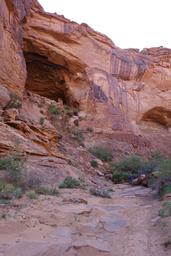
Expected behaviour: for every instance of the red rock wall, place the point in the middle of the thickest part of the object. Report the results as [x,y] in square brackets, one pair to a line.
[118,89]
[12,64]
[111,84]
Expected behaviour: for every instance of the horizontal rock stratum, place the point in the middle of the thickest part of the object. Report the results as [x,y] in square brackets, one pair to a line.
[48,55]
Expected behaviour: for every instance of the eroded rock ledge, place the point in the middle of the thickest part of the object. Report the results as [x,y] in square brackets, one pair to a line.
[125,91]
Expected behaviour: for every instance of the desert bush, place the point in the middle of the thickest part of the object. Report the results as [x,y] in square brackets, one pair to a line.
[70,182]
[15,102]
[13,164]
[131,164]
[52,191]
[153,163]
[31,194]
[100,193]
[119,177]
[166,210]
[6,190]
[78,135]
[94,163]
[162,182]
[157,156]
[165,169]
[70,111]
[165,189]
[5,201]
[103,153]
[9,191]
[18,192]
[3,163]
[53,110]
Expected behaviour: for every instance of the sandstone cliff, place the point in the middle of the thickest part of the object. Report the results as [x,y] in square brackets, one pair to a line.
[47,58]
[122,87]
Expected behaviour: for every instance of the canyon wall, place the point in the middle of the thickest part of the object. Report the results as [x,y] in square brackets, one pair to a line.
[117,88]
[50,56]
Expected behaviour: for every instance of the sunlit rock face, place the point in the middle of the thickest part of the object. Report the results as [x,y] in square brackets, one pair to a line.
[12,63]
[115,87]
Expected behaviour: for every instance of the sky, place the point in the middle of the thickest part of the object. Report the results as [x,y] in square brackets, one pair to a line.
[129,23]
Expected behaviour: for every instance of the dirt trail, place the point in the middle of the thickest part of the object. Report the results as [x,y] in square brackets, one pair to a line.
[79,224]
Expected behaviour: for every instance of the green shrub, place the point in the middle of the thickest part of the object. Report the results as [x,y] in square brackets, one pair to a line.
[15,102]
[31,194]
[78,135]
[153,163]
[163,181]
[100,193]
[13,164]
[153,180]
[166,210]
[2,185]
[102,153]
[157,156]
[165,169]
[3,163]
[53,110]
[48,191]
[71,111]
[5,201]
[6,190]
[53,192]
[17,193]
[131,164]
[70,182]
[94,163]
[165,189]
[119,177]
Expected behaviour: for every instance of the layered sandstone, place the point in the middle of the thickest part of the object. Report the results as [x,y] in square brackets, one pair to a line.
[117,87]
[12,64]
[125,91]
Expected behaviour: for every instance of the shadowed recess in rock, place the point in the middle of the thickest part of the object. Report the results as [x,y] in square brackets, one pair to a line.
[47,79]
[98,93]
[158,115]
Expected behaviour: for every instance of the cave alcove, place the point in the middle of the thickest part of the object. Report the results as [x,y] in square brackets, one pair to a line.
[159,115]
[47,79]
